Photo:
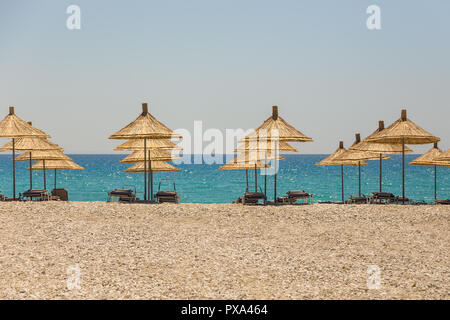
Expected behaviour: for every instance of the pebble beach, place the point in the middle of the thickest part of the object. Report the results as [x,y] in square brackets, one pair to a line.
[223,251]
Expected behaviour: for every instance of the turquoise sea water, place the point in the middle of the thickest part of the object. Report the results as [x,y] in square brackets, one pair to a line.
[203,183]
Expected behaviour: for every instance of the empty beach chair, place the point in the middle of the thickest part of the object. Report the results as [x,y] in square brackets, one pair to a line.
[358,200]
[382,197]
[295,195]
[36,194]
[122,195]
[171,196]
[60,194]
[443,201]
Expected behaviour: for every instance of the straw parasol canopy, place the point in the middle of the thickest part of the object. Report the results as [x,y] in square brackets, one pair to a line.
[359,155]
[276,128]
[234,165]
[31,144]
[266,145]
[65,164]
[333,160]
[428,160]
[138,144]
[403,131]
[157,166]
[445,156]
[56,165]
[145,127]
[42,155]
[155,155]
[386,148]
[14,127]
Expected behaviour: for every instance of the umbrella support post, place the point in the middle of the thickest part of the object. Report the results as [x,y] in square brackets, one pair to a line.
[359,178]
[45,179]
[54,186]
[31,173]
[342,182]
[435,183]
[381,171]
[14,167]
[403,170]
[145,168]
[256,180]
[150,176]
[265,176]
[246,179]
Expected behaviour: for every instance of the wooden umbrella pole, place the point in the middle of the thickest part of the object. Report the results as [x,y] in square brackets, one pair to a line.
[435,183]
[145,168]
[403,170]
[359,177]
[54,186]
[381,171]
[31,173]
[14,167]
[275,176]
[265,175]
[150,173]
[246,179]
[256,180]
[342,181]
[45,180]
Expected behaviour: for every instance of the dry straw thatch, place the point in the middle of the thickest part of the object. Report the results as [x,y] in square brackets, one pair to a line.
[333,159]
[403,131]
[14,127]
[428,158]
[145,126]
[356,155]
[379,147]
[56,165]
[445,156]
[232,165]
[276,128]
[157,166]
[138,144]
[43,155]
[155,155]
[31,144]
[266,145]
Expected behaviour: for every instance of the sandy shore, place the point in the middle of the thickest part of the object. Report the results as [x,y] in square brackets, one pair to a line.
[223,251]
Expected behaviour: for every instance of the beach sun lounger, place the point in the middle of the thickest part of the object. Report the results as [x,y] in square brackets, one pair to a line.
[292,197]
[61,194]
[443,201]
[36,194]
[358,200]
[122,195]
[167,196]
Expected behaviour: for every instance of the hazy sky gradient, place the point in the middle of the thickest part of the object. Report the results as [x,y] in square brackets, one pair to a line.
[226,63]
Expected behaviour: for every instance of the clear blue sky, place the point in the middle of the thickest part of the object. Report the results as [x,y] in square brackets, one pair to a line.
[226,63]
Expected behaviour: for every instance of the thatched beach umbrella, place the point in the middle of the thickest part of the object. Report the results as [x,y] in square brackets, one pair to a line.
[265,147]
[235,164]
[333,160]
[44,156]
[13,127]
[145,127]
[378,148]
[31,145]
[358,155]
[428,160]
[153,144]
[253,158]
[155,155]
[66,164]
[156,166]
[402,132]
[277,129]
[445,156]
